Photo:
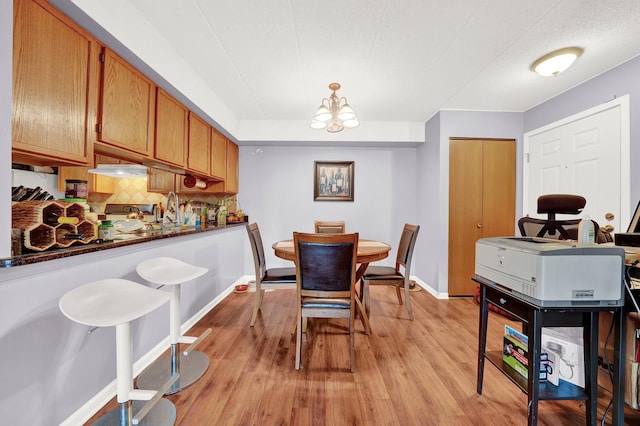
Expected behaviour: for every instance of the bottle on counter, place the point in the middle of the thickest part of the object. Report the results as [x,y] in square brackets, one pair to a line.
[106,231]
[586,231]
[222,216]
[159,212]
[204,217]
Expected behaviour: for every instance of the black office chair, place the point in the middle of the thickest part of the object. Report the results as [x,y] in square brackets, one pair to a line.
[553,204]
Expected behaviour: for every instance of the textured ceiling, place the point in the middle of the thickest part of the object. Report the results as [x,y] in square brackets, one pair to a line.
[263,65]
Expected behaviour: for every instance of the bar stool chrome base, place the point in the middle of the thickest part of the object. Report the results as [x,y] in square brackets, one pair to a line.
[188,364]
[162,414]
[192,367]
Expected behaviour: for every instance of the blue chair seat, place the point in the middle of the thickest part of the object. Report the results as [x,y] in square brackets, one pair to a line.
[326,303]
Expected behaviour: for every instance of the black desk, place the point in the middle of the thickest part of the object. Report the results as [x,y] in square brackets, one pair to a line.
[534,317]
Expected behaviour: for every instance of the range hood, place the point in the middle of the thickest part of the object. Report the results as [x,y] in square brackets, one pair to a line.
[120,170]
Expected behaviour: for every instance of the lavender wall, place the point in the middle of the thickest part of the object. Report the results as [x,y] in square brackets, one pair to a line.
[433,156]
[433,184]
[276,191]
[429,207]
[617,82]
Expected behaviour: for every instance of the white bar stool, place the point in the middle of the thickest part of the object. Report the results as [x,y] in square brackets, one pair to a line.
[117,302]
[189,364]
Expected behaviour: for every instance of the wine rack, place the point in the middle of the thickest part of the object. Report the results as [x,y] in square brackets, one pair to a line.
[44,226]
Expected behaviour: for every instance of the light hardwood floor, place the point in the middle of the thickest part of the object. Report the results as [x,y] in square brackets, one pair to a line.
[420,372]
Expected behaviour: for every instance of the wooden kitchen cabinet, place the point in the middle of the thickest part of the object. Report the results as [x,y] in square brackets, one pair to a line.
[55,80]
[218,155]
[230,184]
[95,183]
[199,148]
[482,191]
[231,180]
[171,130]
[127,107]
[161,181]
[229,151]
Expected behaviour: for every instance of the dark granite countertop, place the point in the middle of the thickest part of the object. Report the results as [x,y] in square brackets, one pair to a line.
[138,238]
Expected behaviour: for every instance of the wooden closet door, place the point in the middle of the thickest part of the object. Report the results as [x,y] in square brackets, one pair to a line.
[465,212]
[499,188]
[481,202]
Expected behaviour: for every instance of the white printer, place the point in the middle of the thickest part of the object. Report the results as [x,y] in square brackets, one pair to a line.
[553,272]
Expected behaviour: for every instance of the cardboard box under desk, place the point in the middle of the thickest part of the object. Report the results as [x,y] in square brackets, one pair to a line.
[565,345]
[631,357]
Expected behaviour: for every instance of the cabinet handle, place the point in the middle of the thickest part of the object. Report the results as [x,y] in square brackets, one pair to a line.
[503,301]
[479,225]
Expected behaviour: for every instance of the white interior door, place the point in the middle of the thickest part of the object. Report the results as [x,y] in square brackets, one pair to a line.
[586,154]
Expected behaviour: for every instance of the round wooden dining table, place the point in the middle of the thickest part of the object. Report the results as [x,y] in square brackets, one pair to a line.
[368,251]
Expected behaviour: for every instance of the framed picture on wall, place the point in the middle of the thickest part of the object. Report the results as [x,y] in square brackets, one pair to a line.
[333,181]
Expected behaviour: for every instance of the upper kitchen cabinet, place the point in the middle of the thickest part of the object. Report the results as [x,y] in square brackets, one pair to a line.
[161,181]
[218,155]
[231,180]
[199,155]
[230,184]
[55,81]
[172,121]
[95,183]
[126,110]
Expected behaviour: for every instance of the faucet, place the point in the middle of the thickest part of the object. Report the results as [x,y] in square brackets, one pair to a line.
[176,208]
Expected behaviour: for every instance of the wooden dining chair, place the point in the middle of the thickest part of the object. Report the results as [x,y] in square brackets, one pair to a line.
[326,273]
[329,227]
[273,278]
[393,276]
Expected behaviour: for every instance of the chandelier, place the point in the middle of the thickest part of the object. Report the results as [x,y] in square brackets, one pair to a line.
[334,113]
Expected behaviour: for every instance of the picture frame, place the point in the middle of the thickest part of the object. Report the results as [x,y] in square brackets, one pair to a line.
[333,181]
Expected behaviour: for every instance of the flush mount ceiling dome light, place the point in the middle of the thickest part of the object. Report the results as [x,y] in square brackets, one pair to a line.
[552,64]
[334,114]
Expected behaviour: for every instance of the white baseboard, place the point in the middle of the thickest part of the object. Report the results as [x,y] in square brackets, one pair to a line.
[430,289]
[96,403]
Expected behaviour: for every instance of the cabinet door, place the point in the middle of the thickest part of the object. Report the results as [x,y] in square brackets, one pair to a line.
[232,168]
[499,181]
[465,213]
[54,86]
[161,181]
[171,130]
[127,101]
[218,155]
[481,202]
[95,183]
[230,184]
[199,156]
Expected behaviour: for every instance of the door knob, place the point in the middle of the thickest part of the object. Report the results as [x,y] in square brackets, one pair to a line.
[479,225]
[609,216]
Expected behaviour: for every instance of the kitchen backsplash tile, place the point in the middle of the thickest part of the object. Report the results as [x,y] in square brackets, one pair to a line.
[134,191]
